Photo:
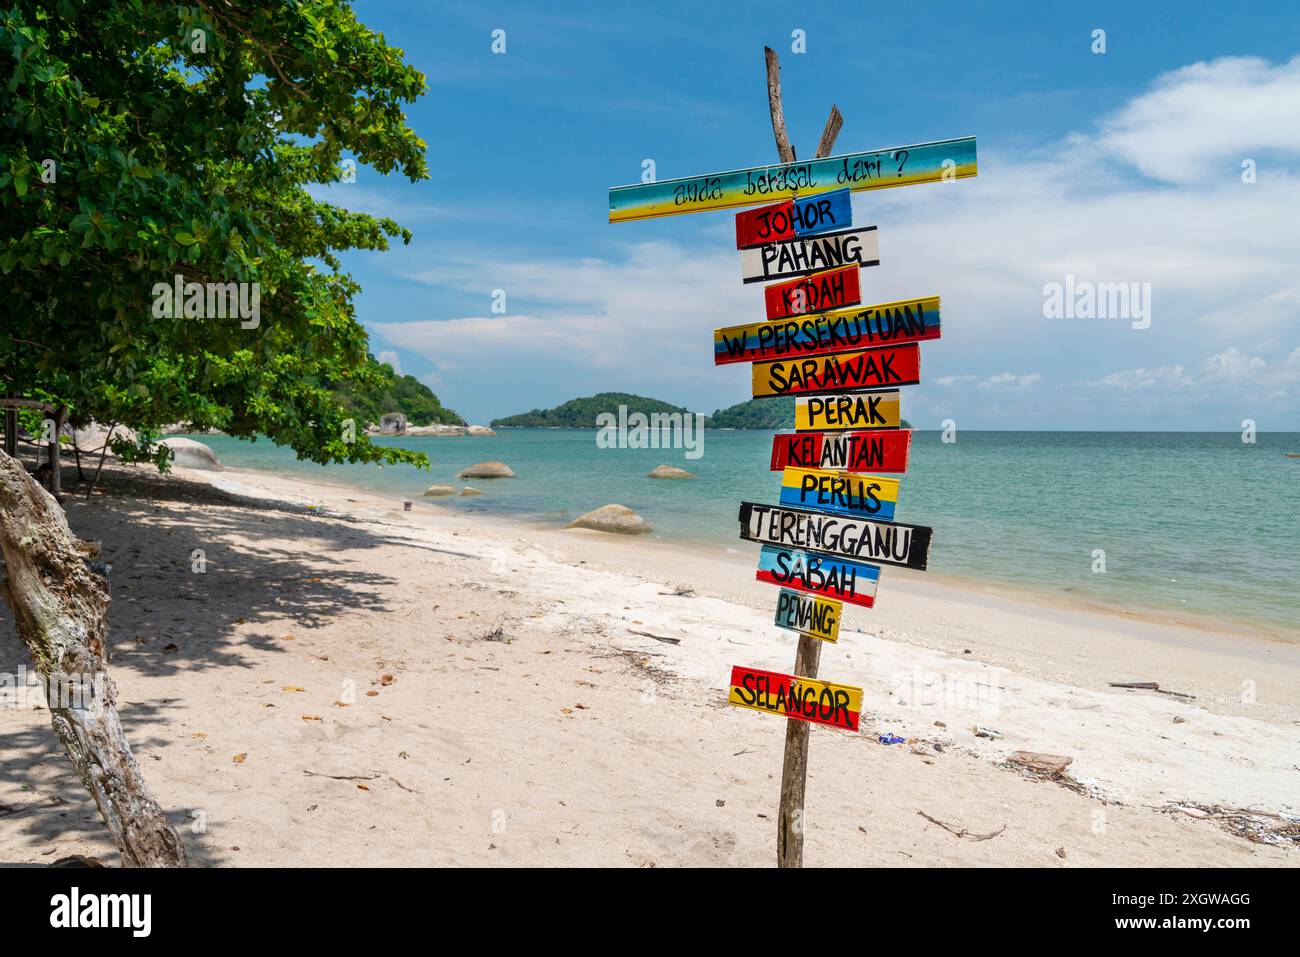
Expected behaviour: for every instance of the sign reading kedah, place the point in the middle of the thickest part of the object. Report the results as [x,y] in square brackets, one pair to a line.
[843,330]
[846,372]
[884,451]
[860,539]
[804,698]
[796,257]
[816,292]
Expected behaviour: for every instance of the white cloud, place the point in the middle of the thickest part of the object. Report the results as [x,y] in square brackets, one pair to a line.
[1009,380]
[391,358]
[1128,380]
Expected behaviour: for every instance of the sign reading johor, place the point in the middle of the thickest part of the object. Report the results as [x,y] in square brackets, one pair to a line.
[818,574]
[804,698]
[816,292]
[860,410]
[889,543]
[878,169]
[846,451]
[796,257]
[844,330]
[846,372]
[844,493]
[819,617]
[799,217]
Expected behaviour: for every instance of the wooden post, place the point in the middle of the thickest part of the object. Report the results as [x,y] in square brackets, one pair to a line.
[794,765]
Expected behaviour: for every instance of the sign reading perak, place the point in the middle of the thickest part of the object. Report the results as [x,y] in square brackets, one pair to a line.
[857,410]
[795,257]
[860,539]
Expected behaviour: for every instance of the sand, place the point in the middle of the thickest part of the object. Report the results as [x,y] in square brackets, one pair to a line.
[350,684]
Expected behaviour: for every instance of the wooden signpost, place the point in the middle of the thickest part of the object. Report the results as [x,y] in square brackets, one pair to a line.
[833,527]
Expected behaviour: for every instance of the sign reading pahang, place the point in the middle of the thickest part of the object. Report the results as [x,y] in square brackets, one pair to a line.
[807,699]
[844,330]
[799,217]
[796,257]
[818,574]
[877,169]
[843,372]
[808,615]
[858,410]
[844,493]
[883,451]
[859,539]
[816,292]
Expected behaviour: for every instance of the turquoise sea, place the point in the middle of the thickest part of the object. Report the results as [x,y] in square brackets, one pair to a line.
[1192,523]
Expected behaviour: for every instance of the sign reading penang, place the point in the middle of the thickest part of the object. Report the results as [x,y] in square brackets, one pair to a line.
[844,330]
[846,372]
[799,217]
[817,574]
[796,257]
[878,169]
[816,292]
[819,617]
[846,451]
[889,543]
[859,410]
[804,698]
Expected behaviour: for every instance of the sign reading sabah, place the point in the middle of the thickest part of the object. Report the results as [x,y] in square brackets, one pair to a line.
[818,574]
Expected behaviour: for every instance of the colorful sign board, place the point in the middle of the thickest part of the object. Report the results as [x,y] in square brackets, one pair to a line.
[806,699]
[845,372]
[884,451]
[844,330]
[844,493]
[796,257]
[860,539]
[804,216]
[816,574]
[808,615]
[877,169]
[816,292]
[857,410]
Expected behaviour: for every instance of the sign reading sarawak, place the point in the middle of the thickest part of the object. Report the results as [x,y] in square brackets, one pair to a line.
[816,292]
[844,330]
[816,574]
[796,257]
[799,217]
[846,451]
[889,543]
[846,372]
[819,617]
[844,493]
[860,410]
[804,698]
[877,169]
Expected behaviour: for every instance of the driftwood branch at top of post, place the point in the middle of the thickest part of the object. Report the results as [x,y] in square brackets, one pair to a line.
[783,147]
[832,130]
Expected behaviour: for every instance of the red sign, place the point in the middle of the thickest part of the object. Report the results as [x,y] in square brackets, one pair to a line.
[792,696]
[845,372]
[842,451]
[832,289]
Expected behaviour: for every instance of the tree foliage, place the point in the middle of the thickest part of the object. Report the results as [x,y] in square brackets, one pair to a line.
[141,141]
[394,393]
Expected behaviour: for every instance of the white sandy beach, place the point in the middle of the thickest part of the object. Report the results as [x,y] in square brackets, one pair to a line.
[357,685]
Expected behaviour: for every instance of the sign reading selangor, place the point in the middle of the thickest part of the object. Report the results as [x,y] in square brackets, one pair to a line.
[807,699]
[878,169]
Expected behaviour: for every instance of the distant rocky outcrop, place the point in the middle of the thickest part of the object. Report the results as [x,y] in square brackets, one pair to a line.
[394,423]
[669,472]
[618,519]
[437,429]
[487,470]
[189,454]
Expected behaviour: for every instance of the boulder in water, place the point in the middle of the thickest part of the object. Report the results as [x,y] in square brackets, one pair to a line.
[434,491]
[467,491]
[612,518]
[488,470]
[189,454]
[669,472]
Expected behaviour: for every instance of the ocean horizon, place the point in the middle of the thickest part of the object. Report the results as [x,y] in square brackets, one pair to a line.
[1158,523]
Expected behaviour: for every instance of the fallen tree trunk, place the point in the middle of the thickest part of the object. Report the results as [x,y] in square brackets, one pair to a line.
[61,609]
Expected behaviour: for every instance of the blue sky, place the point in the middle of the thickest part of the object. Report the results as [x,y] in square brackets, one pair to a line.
[1122,166]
